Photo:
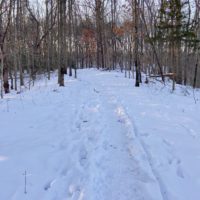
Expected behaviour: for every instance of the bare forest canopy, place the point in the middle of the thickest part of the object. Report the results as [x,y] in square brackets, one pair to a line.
[138,36]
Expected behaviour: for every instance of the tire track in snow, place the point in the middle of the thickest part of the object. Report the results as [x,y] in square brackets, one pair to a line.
[133,130]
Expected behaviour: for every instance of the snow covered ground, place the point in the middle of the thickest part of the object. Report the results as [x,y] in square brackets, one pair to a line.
[100,138]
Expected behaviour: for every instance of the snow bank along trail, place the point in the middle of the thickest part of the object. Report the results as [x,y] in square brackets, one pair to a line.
[99,138]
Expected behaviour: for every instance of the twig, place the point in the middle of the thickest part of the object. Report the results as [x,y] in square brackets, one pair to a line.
[25,190]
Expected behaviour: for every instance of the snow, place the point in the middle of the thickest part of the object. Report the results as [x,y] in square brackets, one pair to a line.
[100,138]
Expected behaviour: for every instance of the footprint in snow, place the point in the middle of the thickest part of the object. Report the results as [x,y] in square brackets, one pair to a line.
[144,134]
[75,192]
[167,143]
[64,172]
[83,154]
[49,184]
[179,172]
[112,146]
[177,163]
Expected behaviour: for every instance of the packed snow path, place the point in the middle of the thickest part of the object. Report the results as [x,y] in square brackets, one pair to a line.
[99,138]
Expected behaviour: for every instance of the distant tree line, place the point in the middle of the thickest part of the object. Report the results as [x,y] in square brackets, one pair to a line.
[137,36]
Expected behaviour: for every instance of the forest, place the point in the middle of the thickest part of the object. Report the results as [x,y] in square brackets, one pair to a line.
[158,38]
[100,99]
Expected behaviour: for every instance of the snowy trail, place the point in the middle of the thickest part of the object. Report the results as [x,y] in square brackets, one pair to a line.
[134,141]
[109,178]
[134,130]
[88,141]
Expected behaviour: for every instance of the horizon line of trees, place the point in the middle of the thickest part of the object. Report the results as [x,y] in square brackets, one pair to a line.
[137,36]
